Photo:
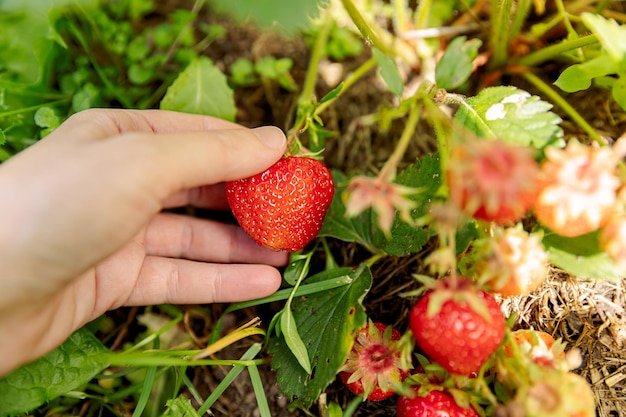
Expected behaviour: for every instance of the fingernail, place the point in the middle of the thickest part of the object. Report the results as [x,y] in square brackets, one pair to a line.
[271,136]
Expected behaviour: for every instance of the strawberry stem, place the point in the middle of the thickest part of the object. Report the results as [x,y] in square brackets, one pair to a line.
[388,171]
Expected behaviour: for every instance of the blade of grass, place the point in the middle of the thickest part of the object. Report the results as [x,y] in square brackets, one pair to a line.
[499,37]
[146,389]
[229,378]
[259,391]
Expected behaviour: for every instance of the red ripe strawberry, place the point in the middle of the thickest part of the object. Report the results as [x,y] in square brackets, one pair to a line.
[373,367]
[457,325]
[434,404]
[491,180]
[283,207]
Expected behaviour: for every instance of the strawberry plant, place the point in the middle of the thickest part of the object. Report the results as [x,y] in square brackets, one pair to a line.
[443,160]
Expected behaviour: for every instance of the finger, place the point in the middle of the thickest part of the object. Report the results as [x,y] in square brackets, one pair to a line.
[103,123]
[177,236]
[170,163]
[211,196]
[175,281]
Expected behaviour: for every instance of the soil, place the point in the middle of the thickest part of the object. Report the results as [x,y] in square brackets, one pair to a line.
[589,316]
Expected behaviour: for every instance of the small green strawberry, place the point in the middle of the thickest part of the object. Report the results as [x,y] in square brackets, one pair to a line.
[283,207]
[457,325]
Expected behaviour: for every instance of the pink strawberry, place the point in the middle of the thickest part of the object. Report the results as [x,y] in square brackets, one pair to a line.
[457,325]
[491,180]
[283,207]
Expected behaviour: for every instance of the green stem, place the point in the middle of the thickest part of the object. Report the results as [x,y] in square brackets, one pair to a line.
[368,33]
[499,38]
[564,105]
[553,51]
[33,108]
[318,52]
[561,8]
[154,358]
[348,82]
[422,13]
[389,169]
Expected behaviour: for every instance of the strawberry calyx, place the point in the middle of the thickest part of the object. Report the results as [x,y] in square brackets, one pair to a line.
[459,290]
[374,367]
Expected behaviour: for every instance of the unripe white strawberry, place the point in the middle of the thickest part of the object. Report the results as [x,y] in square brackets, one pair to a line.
[577,192]
[613,240]
[511,263]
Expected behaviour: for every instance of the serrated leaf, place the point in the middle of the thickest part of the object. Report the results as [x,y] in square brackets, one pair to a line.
[610,33]
[425,175]
[389,72]
[581,256]
[326,322]
[67,367]
[456,64]
[512,115]
[290,16]
[361,229]
[180,407]
[201,89]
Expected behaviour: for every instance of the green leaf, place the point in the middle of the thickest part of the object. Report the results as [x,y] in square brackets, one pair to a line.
[47,117]
[332,94]
[578,77]
[389,72]
[298,267]
[424,175]
[289,331]
[180,407]
[456,64]
[86,97]
[618,91]
[66,368]
[610,33]
[326,321]
[288,15]
[201,89]
[581,256]
[512,115]
[361,229]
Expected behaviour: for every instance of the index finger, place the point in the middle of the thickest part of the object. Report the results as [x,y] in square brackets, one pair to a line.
[104,123]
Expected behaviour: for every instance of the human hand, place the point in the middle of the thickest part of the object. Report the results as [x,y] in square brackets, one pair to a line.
[82,232]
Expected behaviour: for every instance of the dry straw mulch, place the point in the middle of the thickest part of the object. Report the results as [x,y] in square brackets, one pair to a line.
[591,317]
